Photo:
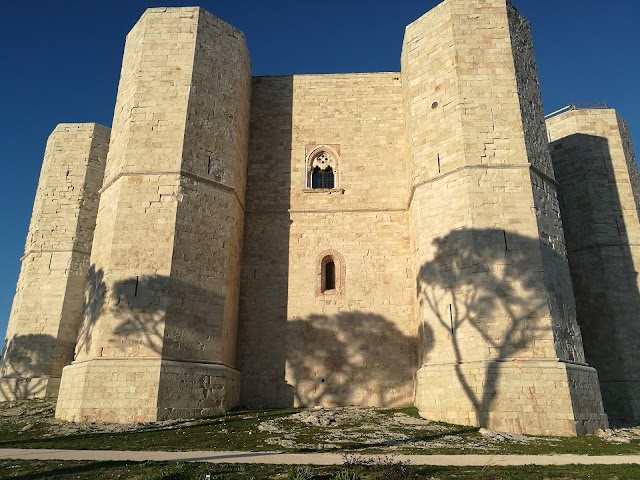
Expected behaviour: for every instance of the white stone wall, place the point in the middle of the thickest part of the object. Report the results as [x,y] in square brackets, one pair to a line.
[493,284]
[356,344]
[168,241]
[49,296]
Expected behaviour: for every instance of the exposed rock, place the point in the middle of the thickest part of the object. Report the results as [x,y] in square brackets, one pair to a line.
[502,436]
[28,426]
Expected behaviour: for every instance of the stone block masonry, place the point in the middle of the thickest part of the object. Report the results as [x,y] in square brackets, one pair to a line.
[379,239]
[499,340]
[159,340]
[47,308]
[596,167]
[300,345]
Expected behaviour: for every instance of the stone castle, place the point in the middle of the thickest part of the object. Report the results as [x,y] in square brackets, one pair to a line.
[388,239]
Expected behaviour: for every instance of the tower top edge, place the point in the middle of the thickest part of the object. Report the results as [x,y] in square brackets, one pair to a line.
[194,11]
[457,7]
[80,126]
[580,109]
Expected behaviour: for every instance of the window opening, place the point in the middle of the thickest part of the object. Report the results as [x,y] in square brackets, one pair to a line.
[322,169]
[330,273]
[322,178]
[330,276]
[451,316]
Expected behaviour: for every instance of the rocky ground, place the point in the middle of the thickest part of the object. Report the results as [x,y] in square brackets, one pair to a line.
[336,428]
[317,429]
[34,411]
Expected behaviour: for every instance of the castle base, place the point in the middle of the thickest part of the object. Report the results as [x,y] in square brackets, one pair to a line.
[140,390]
[532,397]
[14,388]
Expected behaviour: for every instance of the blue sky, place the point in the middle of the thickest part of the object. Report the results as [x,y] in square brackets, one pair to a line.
[61,62]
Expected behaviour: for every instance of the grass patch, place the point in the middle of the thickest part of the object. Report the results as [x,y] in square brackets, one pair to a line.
[40,470]
[30,424]
[233,431]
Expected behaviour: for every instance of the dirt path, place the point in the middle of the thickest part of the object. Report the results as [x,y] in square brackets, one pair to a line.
[314,458]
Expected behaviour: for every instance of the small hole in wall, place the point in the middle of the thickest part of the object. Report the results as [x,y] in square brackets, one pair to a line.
[323,380]
[434,105]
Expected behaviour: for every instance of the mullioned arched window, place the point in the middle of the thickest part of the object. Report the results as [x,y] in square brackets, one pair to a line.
[322,168]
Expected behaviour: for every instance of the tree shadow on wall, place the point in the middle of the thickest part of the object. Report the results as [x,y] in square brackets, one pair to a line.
[91,307]
[350,358]
[28,357]
[23,358]
[139,318]
[482,296]
[140,307]
[147,314]
[347,358]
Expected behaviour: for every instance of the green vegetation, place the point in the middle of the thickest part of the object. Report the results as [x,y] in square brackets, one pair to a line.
[30,424]
[42,470]
[300,473]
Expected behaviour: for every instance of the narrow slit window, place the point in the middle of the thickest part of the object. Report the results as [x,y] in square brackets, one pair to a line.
[330,271]
[330,276]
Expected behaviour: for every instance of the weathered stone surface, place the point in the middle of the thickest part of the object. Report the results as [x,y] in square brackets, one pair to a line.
[496,308]
[47,306]
[355,344]
[596,167]
[376,239]
[161,325]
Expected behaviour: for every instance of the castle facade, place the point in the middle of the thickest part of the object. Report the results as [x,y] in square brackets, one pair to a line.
[388,239]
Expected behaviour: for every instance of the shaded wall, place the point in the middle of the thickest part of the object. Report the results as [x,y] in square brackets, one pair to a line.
[262,336]
[595,165]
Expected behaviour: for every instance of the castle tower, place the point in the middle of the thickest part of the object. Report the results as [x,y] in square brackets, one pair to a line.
[158,336]
[596,167]
[47,307]
[501,346]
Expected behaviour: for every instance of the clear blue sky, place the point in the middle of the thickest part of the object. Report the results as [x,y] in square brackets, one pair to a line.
[61,62]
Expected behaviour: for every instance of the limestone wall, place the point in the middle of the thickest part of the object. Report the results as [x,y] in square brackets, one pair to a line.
[207,281]
[496,308]
[595,165]
[46,312]
[566,332]
[166,258]
[354,344]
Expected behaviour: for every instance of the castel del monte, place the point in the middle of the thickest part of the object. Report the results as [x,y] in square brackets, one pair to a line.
[420,238]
